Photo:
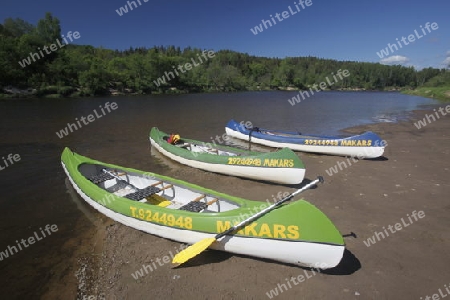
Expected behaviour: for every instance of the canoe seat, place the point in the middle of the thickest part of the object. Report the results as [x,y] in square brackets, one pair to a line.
[194,206]
[98,178]
[143,193]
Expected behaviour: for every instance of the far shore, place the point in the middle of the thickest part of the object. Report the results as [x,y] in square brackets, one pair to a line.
[75,92]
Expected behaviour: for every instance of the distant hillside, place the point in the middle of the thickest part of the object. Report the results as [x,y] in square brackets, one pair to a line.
[38,60]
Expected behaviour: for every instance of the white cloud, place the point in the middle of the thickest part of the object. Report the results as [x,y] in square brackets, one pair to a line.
[446,62]
[394,60]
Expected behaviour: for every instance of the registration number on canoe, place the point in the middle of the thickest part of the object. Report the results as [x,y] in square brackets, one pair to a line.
[244,161]
[163,218]
[355,143]
[267,162]
[321,142]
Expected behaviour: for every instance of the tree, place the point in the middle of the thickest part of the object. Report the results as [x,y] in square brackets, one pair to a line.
[96,79]
[96,69]
[16,27]
[48,29]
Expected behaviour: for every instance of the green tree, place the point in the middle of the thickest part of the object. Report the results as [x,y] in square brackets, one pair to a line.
[96,79]
[48,29]
[16,27]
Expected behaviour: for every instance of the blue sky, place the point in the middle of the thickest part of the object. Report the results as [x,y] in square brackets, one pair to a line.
[344,30]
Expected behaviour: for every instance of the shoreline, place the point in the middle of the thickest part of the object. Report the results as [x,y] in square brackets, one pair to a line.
[79,273]
[360,199]
[439,93]
[30,93]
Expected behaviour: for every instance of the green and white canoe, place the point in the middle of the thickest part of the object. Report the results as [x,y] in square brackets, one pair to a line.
[296,233]
[283,166]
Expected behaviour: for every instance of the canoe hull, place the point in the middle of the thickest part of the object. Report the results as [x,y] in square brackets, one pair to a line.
[296,233]
[292,174]
[314,255]
[277,175]
[367,145]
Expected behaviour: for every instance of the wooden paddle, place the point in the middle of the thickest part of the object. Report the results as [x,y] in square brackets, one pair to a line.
[202,245]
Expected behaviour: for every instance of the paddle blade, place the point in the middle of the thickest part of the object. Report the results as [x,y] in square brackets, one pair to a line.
[158,200]
[192,251]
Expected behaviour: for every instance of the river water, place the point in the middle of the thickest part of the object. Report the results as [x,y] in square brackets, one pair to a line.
[34,192]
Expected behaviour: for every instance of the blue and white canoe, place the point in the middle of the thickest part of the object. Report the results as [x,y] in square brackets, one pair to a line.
[365,145]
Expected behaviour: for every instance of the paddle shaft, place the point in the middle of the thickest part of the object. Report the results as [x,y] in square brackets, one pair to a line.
[269,208]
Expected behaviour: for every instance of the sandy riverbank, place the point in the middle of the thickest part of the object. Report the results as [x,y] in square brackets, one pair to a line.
[364,198]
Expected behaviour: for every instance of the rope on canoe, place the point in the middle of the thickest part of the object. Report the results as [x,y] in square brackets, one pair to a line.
[250,137]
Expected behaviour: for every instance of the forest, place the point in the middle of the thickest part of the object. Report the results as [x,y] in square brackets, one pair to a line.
[83,70]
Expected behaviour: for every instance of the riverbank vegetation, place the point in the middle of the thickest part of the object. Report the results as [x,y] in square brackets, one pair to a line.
[83,70]
[438,87]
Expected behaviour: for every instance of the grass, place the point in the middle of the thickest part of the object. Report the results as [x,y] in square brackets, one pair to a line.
[441,93]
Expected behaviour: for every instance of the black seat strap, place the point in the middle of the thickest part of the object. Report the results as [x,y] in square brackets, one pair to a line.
[194,206]
[143,193]
[98,178]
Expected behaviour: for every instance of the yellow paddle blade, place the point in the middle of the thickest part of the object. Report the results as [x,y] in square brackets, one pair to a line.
[192,251]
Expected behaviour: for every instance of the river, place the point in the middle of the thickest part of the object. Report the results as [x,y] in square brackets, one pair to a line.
[34,193]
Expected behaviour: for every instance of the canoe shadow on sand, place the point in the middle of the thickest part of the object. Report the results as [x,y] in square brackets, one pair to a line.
[379,158]
[348,265]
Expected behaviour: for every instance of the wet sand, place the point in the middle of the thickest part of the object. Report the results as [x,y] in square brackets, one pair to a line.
[361,199]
